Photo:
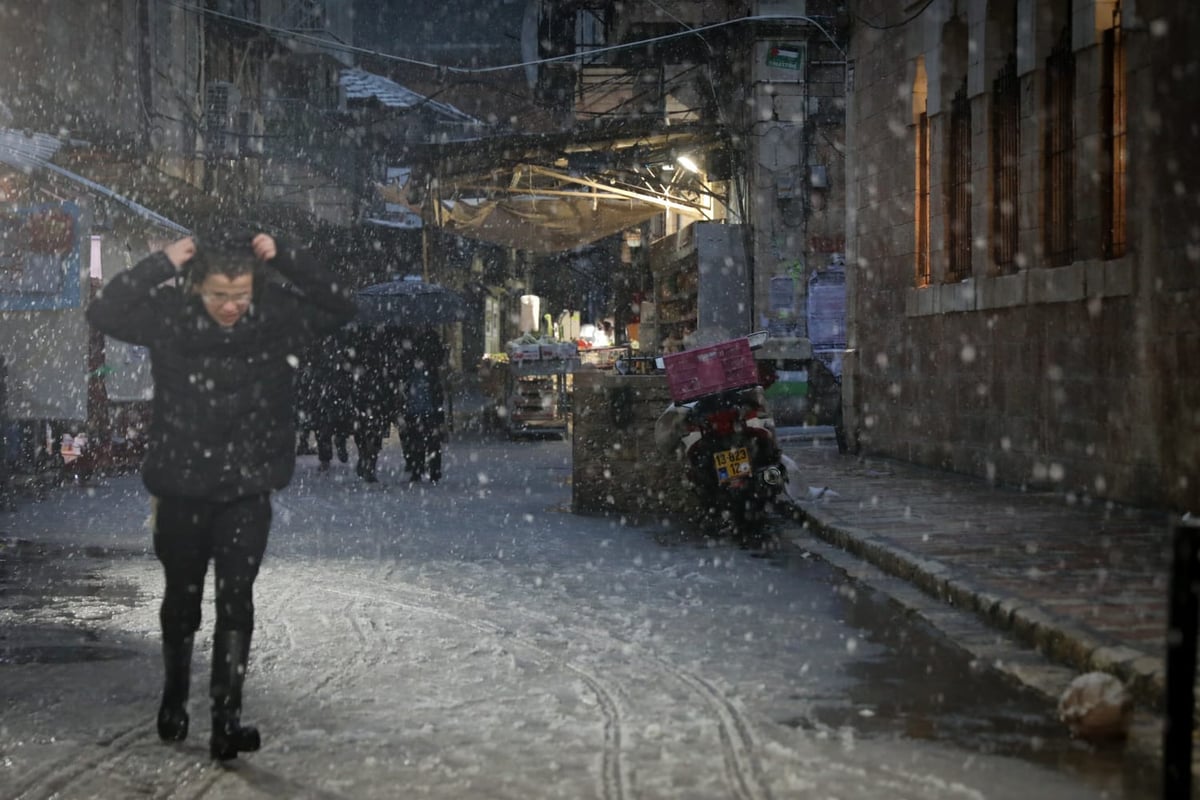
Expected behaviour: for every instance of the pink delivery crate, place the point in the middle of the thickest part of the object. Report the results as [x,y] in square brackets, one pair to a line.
[705,370]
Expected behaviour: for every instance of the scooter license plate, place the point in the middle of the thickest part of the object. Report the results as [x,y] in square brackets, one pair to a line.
[731,463]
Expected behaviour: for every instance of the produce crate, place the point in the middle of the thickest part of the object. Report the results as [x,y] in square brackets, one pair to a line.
[554,350]
[705,370]
[524,352]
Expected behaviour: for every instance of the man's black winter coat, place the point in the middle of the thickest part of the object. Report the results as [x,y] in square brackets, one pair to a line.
[223,422]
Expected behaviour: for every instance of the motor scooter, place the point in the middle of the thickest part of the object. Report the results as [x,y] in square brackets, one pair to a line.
[725,441]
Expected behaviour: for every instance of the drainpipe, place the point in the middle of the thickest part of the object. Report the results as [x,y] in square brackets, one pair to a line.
[98,422]
[850,360]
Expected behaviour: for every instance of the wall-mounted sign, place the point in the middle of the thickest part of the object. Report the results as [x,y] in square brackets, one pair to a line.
[39,258]
[786,56]
[781,298]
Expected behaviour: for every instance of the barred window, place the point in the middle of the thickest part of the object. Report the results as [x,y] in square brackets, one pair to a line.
[958,189]
[1006,158]
[1059,153]
[922,200]
[1112,98]
[591,32]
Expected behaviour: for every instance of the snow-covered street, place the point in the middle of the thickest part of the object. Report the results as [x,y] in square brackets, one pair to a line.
[476,639]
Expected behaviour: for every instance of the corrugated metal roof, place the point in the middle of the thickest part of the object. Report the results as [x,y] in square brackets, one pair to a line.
[25,151]
[28,152]
[361,85]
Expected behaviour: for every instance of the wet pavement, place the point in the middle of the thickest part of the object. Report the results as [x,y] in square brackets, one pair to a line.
[60,594]
[1081,582]
[894,529]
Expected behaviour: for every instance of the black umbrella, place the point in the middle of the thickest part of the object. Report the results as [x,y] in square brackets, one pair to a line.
[408,302]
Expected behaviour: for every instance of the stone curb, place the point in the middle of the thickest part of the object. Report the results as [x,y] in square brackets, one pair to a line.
[1057,639]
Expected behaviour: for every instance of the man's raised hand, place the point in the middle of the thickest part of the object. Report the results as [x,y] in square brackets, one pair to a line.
[180,251]
[264,247]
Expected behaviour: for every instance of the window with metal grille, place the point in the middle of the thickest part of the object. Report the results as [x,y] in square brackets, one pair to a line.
[922,204]
[1059,153]
[591,33]
[958,189]
[1006,158]
[1112,98]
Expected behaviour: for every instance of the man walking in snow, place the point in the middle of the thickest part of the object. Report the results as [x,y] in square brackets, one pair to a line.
[224,334]
[424,409]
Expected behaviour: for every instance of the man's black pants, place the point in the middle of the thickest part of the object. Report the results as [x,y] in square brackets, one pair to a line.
[190,532]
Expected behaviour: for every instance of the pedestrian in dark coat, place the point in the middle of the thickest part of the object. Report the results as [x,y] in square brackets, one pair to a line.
[306,401]
[373,389]
[223,337]
[424,409]
[332,396]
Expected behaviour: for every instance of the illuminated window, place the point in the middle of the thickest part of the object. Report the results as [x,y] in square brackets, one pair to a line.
[921,200]
[1112,98]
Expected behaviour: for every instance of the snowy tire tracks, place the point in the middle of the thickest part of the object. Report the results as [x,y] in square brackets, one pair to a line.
[111,768]
[613,783]
[742,772]
[124,764]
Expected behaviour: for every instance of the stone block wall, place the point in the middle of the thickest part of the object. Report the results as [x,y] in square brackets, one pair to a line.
[617,468]
[1066,378]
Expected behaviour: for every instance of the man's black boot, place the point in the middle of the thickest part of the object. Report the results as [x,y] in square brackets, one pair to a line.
[172,713]
[231,651]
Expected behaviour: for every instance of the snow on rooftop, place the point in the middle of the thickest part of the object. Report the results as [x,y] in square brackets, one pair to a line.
[27,151]
[362,85]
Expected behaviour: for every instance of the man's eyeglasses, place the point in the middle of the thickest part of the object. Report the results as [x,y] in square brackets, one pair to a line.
[218,299]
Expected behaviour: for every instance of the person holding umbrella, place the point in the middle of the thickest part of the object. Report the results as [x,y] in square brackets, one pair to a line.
[387,314]
[223,336]
[408,303]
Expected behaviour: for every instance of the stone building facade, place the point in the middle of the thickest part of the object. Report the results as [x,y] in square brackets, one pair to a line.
[793,130]
[1023,245]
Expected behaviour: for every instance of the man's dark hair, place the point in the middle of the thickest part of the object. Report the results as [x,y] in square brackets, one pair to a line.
[222,250]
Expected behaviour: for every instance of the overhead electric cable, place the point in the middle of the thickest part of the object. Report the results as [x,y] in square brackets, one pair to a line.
[317,40]
[899,24]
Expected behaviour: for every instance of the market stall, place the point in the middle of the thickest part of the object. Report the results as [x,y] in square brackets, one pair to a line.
[537,387]
[530,384]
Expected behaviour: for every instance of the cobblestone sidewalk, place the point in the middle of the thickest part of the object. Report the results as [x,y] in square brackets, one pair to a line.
[1084,582]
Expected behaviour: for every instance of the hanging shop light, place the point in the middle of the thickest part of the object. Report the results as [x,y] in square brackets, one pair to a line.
[687,162]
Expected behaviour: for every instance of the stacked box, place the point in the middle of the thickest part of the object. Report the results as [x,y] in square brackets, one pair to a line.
[706,370]
[559,350]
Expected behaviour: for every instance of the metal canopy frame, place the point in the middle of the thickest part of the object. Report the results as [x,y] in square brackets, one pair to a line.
[540,190]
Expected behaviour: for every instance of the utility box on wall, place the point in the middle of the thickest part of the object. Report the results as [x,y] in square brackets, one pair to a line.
[723,292]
